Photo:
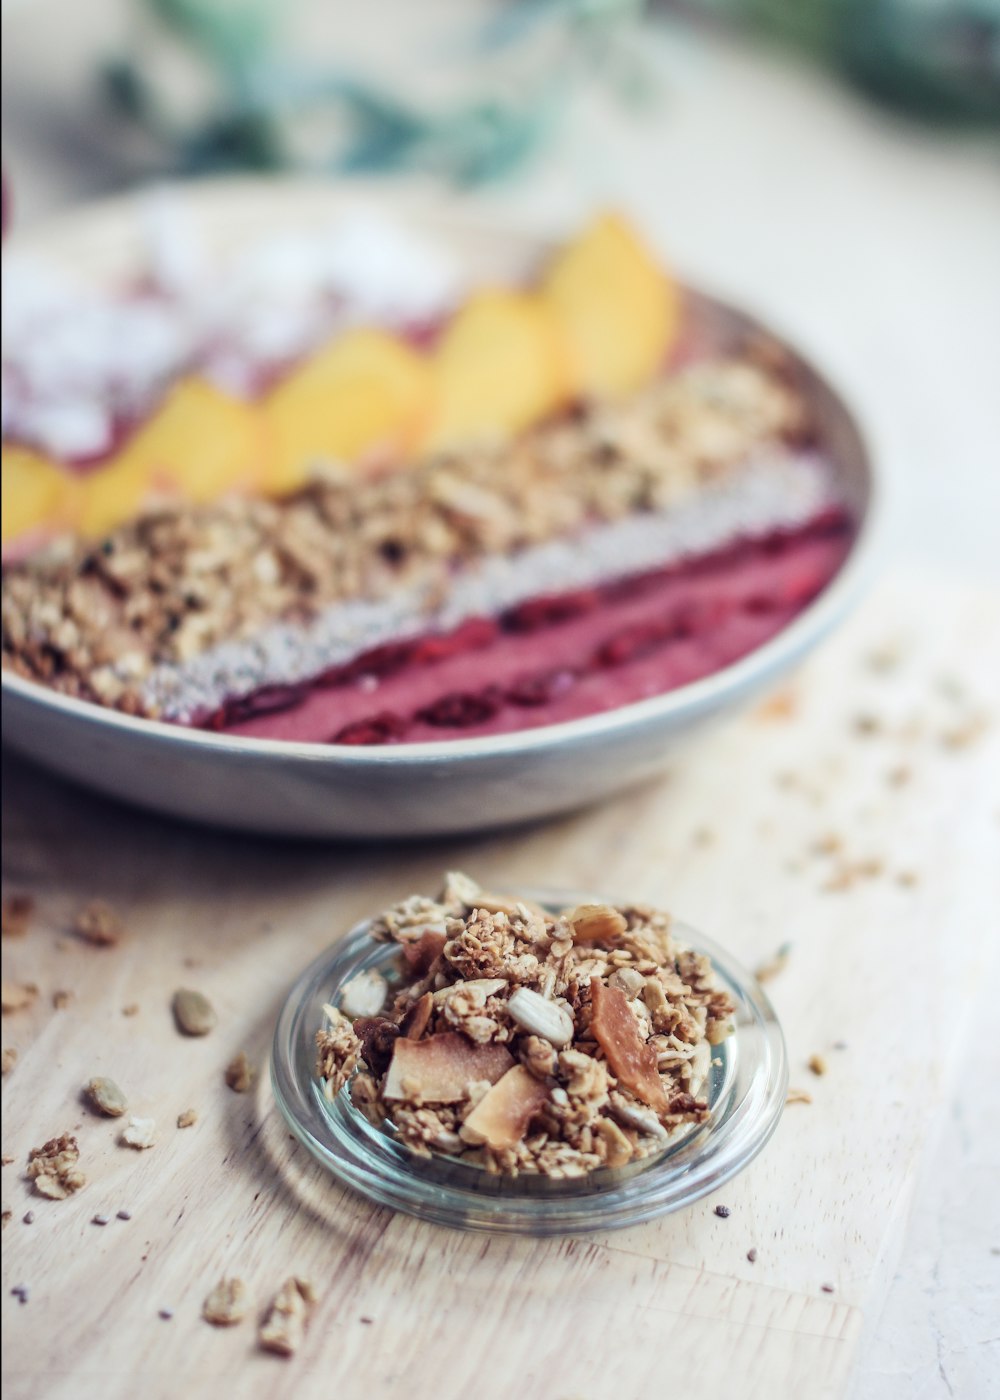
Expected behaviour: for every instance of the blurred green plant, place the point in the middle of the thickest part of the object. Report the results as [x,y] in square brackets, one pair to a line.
[934,59]
[258,98]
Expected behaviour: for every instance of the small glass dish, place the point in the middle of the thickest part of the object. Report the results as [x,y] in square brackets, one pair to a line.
[745,1089]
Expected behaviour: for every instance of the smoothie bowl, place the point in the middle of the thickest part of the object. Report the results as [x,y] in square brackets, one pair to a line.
[457,529]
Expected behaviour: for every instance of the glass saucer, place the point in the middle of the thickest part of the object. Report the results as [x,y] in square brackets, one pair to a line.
[745,1090]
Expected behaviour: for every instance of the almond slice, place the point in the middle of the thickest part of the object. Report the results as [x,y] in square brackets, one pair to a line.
[441,1068]
[595,923]
[501,1117]
[632,1061]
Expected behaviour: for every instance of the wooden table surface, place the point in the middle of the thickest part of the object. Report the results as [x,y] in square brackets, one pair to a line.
[855,815]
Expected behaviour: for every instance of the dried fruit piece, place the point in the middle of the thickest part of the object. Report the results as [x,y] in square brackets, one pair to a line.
[596,923]
[17,910]
[226,1304]
[139,1133]
[535,1014]
[15,996]
[378,1036]
[284,1325]
[501,1118]
[53,1168]
[106,1097]
[187,1119]
[193,1012]
[239,1074]
[421,956]
[441,1068]
[99,924]
[632,1061]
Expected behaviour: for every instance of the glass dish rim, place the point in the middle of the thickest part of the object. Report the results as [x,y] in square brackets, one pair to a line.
[747,1104]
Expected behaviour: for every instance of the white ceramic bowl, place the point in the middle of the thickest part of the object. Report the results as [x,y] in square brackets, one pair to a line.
[405,789]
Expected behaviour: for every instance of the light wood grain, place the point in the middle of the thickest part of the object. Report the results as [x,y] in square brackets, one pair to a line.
[730,840]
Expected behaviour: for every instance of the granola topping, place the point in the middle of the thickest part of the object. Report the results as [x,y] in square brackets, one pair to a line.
[178,611]
[523,1041]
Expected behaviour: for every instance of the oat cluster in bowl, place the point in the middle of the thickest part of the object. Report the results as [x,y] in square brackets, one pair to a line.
[520,1040]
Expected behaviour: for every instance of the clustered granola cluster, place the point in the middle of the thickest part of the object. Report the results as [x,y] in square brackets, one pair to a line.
[526,1041]
[94,619]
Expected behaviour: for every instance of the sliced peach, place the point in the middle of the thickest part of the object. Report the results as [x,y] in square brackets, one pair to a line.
[632,1061]
[500,1119]
[501,365]
[200,443]
[619,312]
[441,1068]
[38,496]
[367,391]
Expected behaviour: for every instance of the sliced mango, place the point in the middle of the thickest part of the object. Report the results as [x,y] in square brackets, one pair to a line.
[619,312]
[198,444]
[500,366]
[37,494]
[366,392]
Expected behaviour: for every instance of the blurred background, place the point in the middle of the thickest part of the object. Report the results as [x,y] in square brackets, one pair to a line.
[833,164]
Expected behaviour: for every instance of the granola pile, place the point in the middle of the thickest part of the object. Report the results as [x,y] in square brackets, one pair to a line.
[95,619]
[524,1041]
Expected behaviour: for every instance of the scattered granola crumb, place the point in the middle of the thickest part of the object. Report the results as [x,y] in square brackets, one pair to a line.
[124,1215]
[782,705]
[240,1074]
[6,1217]
[867,725]
[193,1012]
[8,1059]
[28,1217]
[131,1010]
[53,1168]
[798,1096]
[817,1064]
[100,1220]
[139,1133]
[884,658]
[907,879]
[21,1292]
[106,1097]
[187,1119]
[723,1212]
[829,845]
[226,1304]
[752,1256]
[899,776]
[963,735]
[15,915]
[848,873]
[99,924]
[61,999]
[767,970]
[283,1327]
[15,996]
[704,836]
[6,1160]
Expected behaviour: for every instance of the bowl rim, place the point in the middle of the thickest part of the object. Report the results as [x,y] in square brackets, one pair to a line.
[692,698]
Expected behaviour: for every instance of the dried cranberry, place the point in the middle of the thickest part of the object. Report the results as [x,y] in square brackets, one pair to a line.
[460,709]
[380,661]
[382,728]
[269,700]
[478,632]
[696,616]
[632,643]
[542,688]
[543,612]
